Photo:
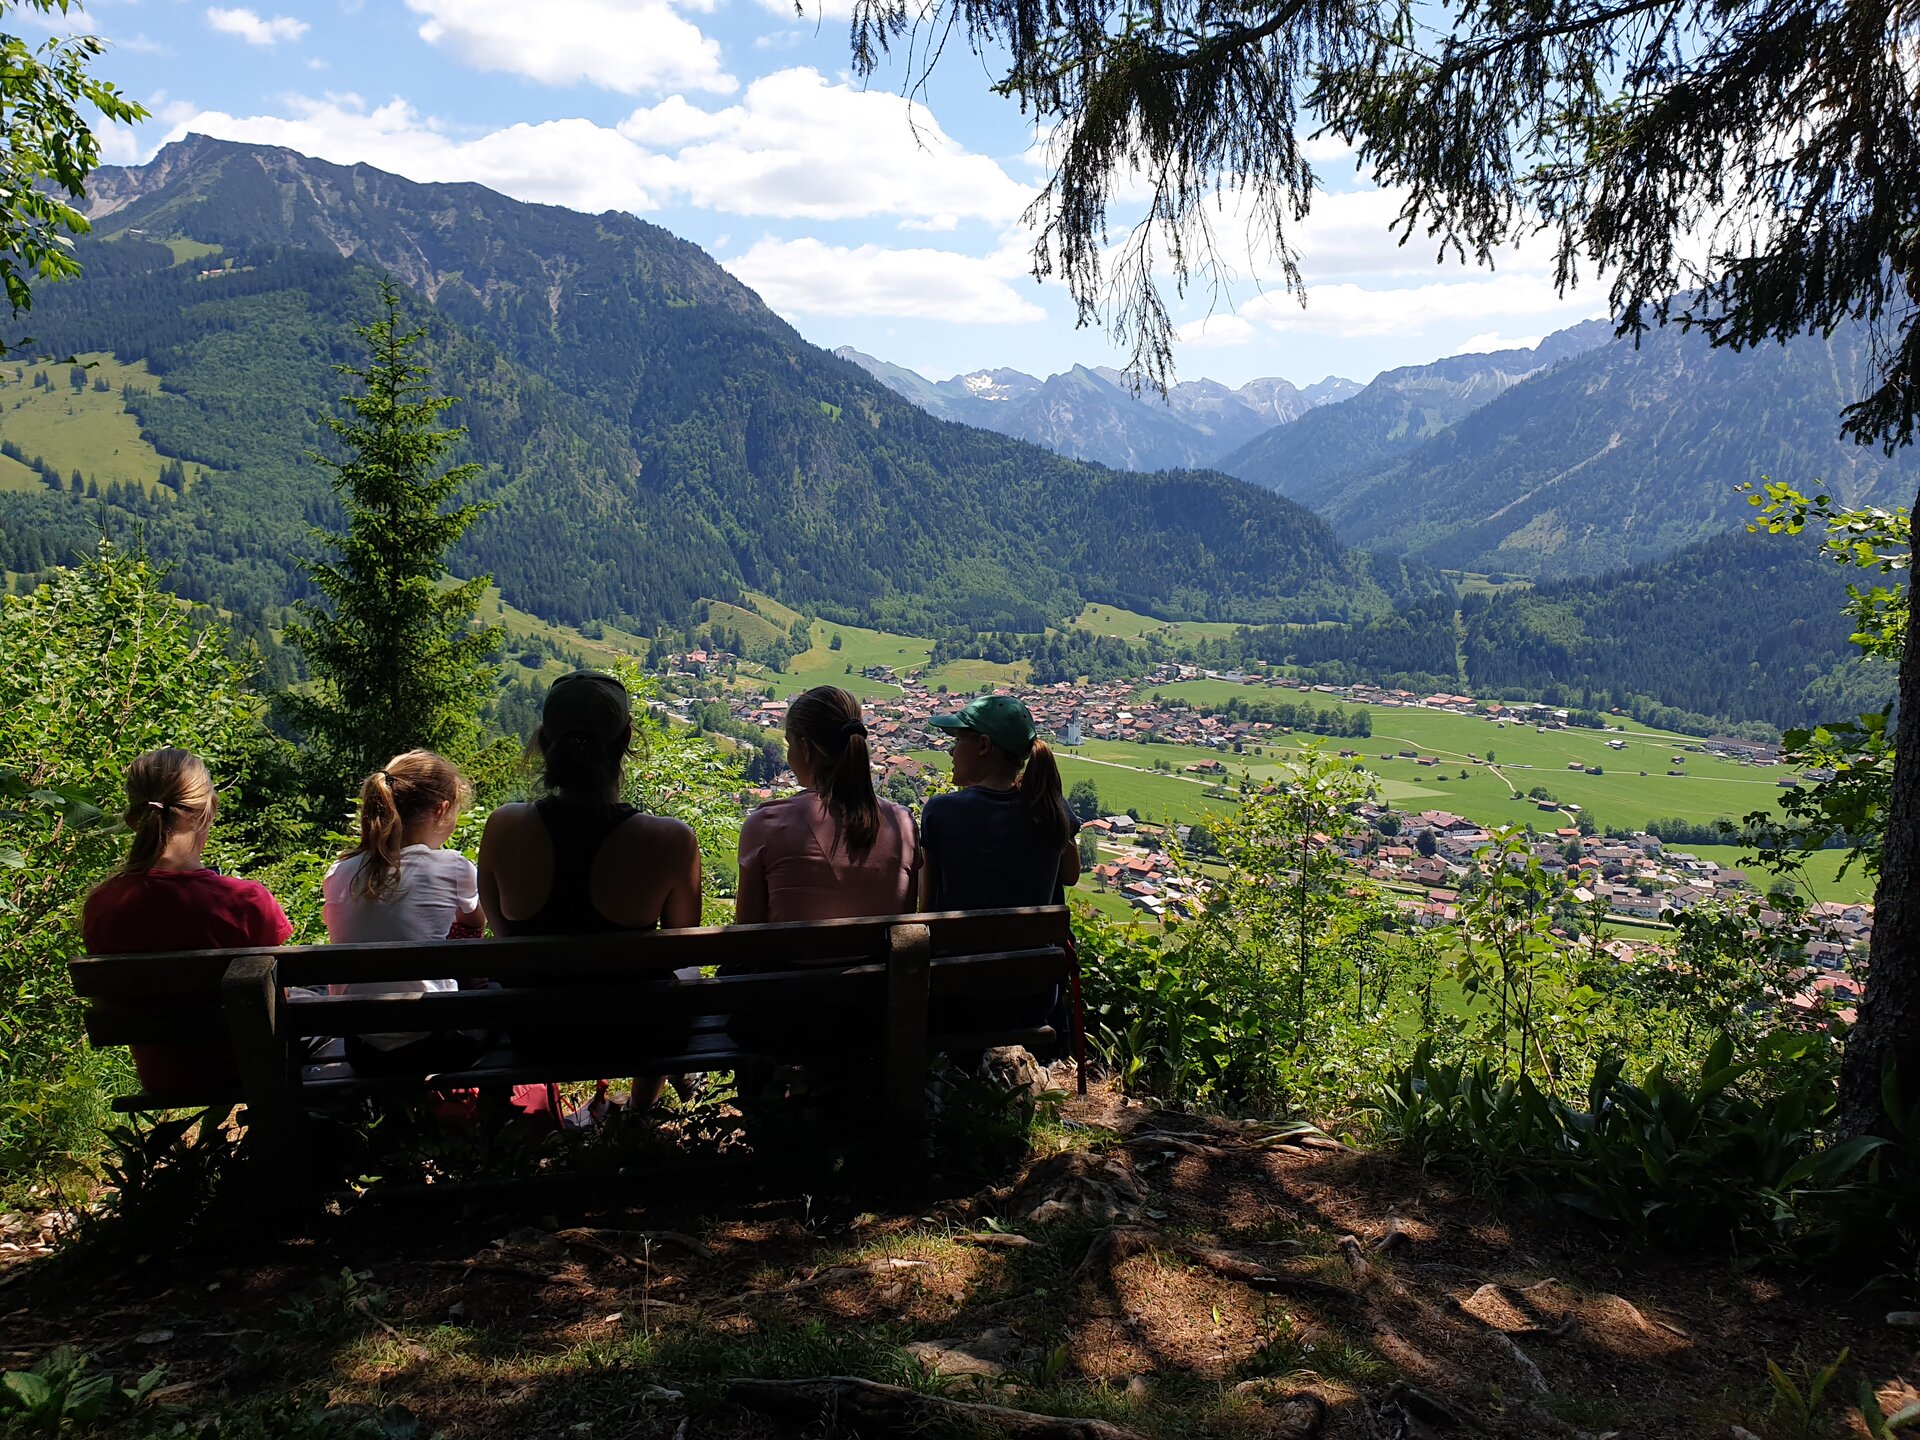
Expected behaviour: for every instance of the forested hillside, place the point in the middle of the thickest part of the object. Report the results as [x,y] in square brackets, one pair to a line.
[652,433]
[1743,626]
[1618,456]
[1317,457]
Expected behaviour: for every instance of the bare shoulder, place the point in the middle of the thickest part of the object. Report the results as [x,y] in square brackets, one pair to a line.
[660,834]
[507,821]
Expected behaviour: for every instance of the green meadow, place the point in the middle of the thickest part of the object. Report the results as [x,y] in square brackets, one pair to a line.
[1621,795]
[1132,625]
[860,649]
[87,430]
[1819,878]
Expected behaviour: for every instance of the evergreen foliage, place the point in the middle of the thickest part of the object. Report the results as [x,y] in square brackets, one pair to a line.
[96,667]
[1739,626]
[397,659]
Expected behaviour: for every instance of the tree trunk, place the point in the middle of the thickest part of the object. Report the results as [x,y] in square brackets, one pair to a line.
[1889,1021]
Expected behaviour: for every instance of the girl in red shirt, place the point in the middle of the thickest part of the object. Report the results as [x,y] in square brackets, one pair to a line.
[165,899]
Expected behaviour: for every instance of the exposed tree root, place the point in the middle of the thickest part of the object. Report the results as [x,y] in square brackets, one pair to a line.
[868,1408]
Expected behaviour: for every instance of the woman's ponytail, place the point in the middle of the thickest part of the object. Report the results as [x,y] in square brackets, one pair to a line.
[1046,803]
[828,719]
[410,788]
[167,790]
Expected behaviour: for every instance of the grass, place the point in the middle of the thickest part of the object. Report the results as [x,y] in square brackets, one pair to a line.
[1620,797]
[87,430]
[860,649]
[1473,583]
[1820,875]
[529,633]
[1132,625]
[962,677]
[184,249]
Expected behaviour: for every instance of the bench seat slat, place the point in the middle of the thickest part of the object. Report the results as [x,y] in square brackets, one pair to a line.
[586,958]
[334,1080]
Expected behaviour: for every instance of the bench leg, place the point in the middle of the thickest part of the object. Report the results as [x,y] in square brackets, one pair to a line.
[909,948]
[250,996]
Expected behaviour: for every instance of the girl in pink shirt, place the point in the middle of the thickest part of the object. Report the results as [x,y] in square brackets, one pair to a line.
[836,850]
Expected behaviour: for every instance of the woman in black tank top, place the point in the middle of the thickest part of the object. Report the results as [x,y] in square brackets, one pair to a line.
[576,833]
[581,861]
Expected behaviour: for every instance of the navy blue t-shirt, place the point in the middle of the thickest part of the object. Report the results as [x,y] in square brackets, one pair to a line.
[987,854]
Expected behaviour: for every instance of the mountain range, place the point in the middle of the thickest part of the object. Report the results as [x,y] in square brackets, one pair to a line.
[1612,454]
[652,436]
[650,432]
[1100,414]
[1576,457]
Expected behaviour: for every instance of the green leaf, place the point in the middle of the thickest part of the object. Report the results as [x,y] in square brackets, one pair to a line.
[28,1391]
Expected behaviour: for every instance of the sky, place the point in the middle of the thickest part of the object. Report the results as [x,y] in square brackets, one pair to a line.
[860,217]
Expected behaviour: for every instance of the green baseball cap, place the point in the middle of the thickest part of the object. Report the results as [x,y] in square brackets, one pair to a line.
[1003,719]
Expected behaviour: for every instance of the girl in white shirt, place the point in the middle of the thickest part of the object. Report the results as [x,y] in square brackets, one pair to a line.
[402,883]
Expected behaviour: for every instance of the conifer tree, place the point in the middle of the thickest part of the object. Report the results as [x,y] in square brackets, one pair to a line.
[397,655]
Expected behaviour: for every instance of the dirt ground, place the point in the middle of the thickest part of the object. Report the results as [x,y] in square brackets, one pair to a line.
[1151,1272]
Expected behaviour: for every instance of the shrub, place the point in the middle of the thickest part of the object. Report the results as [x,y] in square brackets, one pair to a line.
[96,666]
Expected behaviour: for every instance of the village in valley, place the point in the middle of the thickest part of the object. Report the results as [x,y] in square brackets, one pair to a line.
[1421,857]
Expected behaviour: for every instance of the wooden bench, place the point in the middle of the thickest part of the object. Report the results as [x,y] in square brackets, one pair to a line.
[876,986]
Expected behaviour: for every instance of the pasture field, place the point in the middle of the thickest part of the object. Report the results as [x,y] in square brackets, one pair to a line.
[15,476]
[87,430]
[184,249]
[1132,625]
[821,664]
[1218,692]
[962,677]
[1707,788]
[754,626]
[1820,877]
[525,633]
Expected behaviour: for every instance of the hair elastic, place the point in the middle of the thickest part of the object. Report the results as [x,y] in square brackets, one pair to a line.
[161,805]
[851,729]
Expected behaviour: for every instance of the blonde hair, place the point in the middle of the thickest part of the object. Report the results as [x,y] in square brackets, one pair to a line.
[406,790]
[167,790]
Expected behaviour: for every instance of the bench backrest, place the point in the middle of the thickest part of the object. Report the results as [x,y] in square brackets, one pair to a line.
[177,996]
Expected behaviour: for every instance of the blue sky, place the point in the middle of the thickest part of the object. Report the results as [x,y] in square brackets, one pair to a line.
[860,218]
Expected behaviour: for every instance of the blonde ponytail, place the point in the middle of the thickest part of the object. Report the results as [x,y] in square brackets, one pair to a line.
[168,790]
[406,790]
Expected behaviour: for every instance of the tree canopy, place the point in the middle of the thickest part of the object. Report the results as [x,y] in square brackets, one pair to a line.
[1740,166]
[47,147]
[1743,167]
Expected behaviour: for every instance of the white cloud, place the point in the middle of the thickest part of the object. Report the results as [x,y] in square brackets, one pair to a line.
[798,147]
[123,144]
[806,277]
[250,27]
[1349,311]
[629,46]
[1491,340]
[795,147]
[1215,332]
[814,10]
[561,162]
